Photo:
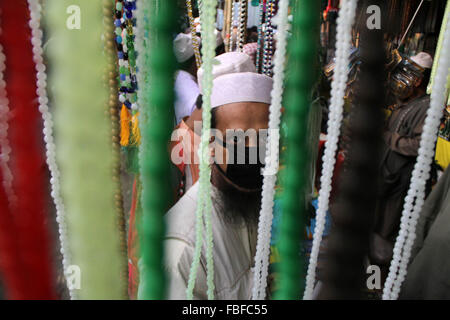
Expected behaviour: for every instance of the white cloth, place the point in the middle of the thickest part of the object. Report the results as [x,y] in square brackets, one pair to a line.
[233,252]
[187,92]
[183,47]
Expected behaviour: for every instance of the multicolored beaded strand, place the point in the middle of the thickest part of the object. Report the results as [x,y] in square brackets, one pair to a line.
[124,30]
[196,45]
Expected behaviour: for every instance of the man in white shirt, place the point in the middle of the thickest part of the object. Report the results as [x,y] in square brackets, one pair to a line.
[240,101]
[186,87]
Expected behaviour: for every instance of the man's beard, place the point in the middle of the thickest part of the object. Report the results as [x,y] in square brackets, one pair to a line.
[236,205]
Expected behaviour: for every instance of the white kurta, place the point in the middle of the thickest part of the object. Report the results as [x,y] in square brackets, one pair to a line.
[233,252]
[187,92]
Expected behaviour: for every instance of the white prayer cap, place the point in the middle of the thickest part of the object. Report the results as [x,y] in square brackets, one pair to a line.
[230,62]
[241,87]
[423,59]
[183,47]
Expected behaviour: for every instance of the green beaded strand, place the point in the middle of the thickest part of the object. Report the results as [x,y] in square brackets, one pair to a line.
[156,121]
[302,51]
[204,205]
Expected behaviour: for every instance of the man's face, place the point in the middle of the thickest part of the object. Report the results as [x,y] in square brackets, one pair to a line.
[242,117]
[240,183]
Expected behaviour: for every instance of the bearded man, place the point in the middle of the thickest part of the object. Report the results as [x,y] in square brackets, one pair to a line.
[240,103]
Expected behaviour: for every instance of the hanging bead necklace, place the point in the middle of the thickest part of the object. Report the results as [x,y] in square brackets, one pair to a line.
[302,50]
[260,35]
[156,21]
[35,12]
[30,210]
[232,13]
[268,39]
[242,23]
[125,24]
[125,29]
[4,141]
[86,181]
[111,76]
[268,190]
[11,265]
[343,43]
[415,198]
[195,44]
[204,204]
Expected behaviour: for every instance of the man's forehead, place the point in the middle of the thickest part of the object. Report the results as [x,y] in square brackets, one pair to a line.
[243,111]
[242,119]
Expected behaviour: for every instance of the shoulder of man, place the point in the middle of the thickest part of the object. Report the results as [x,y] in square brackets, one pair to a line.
[423,101]
[180,219]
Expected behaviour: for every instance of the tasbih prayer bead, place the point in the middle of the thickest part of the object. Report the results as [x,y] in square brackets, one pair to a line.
[343,275]
[124,36]
[260,35]
[4,141]
[204,204]
[86,181]
[242,23]
[156,24]
[30,210]
[272,153]
[195,44]
[232,13]
[302,49]
[11,265]
[35,14]
[111,76]
[415,197]
[268,39]
[343,43]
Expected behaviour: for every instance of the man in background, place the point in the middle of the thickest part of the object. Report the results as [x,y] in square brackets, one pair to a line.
[402,139]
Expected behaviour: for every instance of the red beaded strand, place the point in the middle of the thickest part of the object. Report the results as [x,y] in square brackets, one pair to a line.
[27,158]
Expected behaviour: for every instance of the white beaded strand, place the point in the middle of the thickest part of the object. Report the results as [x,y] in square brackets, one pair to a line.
[36,40]
[343,44]
[4,141]
[421,173]
[272,152]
